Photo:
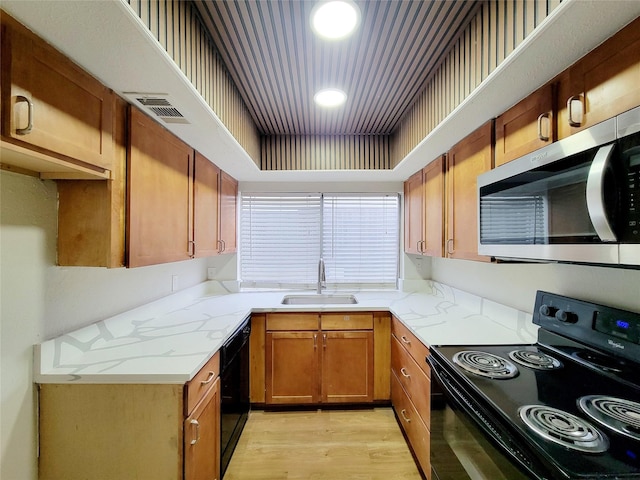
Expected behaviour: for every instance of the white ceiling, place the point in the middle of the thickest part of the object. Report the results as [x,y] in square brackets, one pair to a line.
[109,41]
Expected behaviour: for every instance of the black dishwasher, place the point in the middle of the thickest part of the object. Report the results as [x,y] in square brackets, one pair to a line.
[234,361]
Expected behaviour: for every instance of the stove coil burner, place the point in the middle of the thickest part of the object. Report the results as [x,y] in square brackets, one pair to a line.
[537,360]
[485,364]
[563,428]
[621,416]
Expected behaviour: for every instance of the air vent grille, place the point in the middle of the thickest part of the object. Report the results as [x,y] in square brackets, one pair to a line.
[160,107]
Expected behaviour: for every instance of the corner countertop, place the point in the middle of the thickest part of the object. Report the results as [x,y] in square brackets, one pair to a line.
[169,340]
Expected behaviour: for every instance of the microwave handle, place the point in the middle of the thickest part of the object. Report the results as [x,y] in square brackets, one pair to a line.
[595,194]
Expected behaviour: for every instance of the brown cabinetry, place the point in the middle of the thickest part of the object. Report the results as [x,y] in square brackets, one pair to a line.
[164,432]
[315,358]
[525,127]
[410,391]
[465,161]
[424,210]
[227,217]
[206,203]
[56,118]
[602,84]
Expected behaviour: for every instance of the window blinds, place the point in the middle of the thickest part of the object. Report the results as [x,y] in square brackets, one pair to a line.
[283,235]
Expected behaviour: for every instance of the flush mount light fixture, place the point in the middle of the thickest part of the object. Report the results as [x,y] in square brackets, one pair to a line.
[335,19]
[330,97]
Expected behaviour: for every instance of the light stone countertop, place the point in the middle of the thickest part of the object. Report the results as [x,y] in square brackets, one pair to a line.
[169,340]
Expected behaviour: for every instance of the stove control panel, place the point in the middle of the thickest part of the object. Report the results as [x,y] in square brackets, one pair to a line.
[605,328]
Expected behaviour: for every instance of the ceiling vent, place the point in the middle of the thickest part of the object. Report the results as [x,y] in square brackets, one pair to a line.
[158,106]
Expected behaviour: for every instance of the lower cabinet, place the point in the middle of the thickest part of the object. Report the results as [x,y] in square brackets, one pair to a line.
[164,432]
[411,391]
[312,358]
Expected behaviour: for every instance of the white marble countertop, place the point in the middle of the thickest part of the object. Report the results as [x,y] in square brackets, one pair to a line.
[169,340]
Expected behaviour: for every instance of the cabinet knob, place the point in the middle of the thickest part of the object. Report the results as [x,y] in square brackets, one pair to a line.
[209,379]
[197,425]
[403,412]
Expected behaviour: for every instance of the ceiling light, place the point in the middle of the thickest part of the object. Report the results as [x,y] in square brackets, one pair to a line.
[330,97]
[335,19]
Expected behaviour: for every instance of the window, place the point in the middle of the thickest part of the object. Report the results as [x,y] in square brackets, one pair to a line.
[282,237]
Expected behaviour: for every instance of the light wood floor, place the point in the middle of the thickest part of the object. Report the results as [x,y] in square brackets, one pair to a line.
[322,444]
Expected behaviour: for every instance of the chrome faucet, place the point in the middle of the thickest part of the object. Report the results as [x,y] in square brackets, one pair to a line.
[321,276]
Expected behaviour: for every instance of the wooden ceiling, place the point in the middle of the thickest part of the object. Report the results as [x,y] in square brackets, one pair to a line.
[278,63]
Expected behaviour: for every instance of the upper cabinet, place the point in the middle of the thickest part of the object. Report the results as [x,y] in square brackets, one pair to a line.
[206,201]
[159,191]
[525,127]
[465,161]
[602,84]
[228,212]
[424,210]
[56,118]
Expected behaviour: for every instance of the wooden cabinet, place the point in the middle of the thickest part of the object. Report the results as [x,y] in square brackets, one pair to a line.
[315,358]
[413,213]
[227,228]
[91,213]
[602,84]
[206,215]
[424,210]
[465,161]
[159,191]
[202,437]
[56,118]
[164,432]
[411,390]
[525,127]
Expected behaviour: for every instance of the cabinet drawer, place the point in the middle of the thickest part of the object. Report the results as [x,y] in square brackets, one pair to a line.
[201,383]
[418,350]
[417,432]
[346,321]
[292,321]
[413,379]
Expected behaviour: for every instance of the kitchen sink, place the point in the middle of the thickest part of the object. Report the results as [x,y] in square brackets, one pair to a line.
[318,299]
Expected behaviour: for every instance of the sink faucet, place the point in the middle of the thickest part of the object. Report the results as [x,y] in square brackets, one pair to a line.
[321,276]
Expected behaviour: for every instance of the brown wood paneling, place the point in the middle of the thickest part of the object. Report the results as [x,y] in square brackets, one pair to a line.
[201,383]
[292,321]
[418,350]
[381,356]
[346,321]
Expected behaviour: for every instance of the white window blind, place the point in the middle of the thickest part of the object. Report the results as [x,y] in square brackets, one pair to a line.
[360,239]
[282,237]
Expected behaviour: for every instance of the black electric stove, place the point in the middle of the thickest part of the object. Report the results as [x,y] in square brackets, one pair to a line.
[567,407]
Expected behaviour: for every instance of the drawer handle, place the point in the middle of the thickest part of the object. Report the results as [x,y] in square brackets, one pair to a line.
[315,341]
[403,412]
[209,379]
[195,422]
[405,340]
[27,129]
[404,373]
[324,340]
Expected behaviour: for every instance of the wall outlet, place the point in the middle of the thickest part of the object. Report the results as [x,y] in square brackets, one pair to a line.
[211,273]
[174,283]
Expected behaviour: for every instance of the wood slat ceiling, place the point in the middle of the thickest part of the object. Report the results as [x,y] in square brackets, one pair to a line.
[278,63]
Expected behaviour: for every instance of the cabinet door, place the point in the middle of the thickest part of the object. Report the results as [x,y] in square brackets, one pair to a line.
[433,218]
[466,160]
[159,221]
[602,84]
[347,366]
[205,207]
[50,104]
[292,360]
[525,127]
[228,199]
[202,438]
[413,204]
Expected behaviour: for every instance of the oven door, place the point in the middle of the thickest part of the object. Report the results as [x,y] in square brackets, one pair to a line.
[468,441]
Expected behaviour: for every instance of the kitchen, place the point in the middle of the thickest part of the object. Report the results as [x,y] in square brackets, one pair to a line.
[41,301]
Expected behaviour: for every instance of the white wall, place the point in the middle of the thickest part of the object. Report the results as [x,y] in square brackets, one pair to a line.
[39,300]
[516,284]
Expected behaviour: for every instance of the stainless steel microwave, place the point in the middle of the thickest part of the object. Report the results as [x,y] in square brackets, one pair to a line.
[576,200]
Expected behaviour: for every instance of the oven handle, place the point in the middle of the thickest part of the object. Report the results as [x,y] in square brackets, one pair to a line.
[595,193]
[458,397]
